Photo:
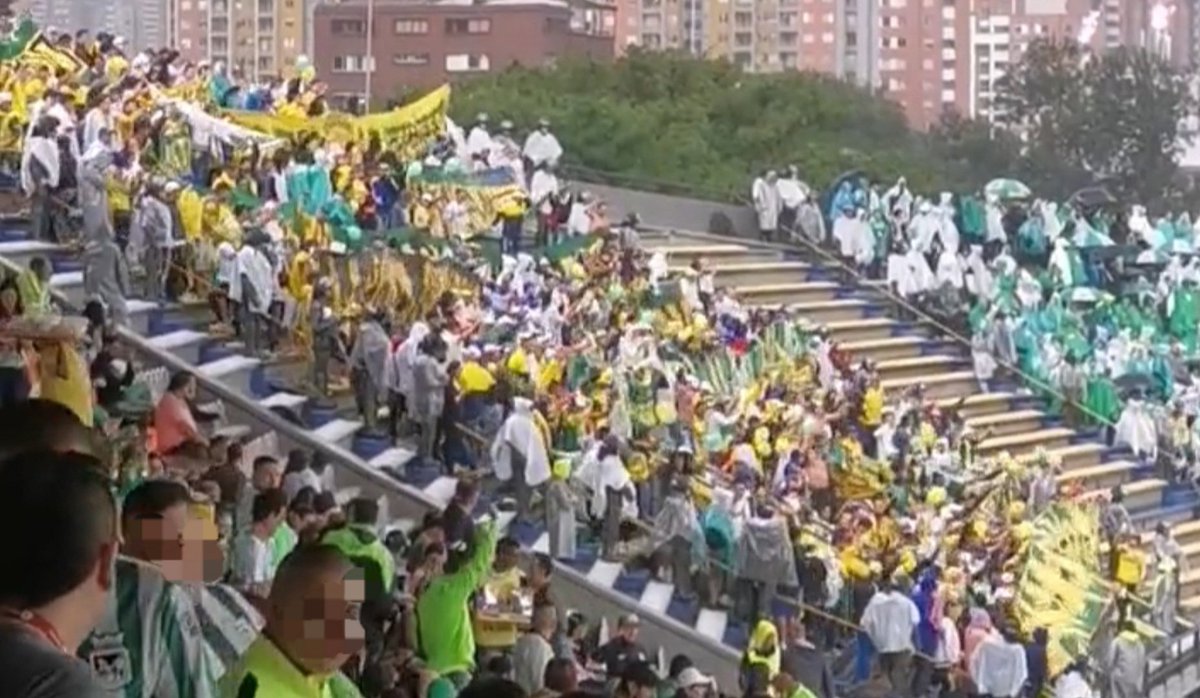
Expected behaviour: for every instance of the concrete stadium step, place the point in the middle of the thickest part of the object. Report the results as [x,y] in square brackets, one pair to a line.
[887,348]
[1049,439]
[1008,422]
[821,312]
[943,385]
[1104,476]
[862,329]
[1189,589]
[184,344]
[787,294]
[748,273]
[975,405]
[22,252]
[1140,495]
[930,366]
[1083,455]
[688,251]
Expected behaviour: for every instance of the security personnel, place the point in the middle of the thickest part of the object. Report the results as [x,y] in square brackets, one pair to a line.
[311,631]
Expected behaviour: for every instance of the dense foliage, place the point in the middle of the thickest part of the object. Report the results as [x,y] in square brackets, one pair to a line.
[662,118]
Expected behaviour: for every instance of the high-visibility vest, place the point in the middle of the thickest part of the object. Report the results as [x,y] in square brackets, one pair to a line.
[265,672]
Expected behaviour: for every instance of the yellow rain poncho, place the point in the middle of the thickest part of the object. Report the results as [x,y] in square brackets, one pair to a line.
[872,409]
[763,649]
[64,378]
[474,379]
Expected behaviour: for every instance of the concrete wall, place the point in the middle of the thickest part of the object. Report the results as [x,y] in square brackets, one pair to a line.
[676,211]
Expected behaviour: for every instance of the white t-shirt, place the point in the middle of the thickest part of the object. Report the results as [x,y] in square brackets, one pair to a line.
[294,482]
[251,565]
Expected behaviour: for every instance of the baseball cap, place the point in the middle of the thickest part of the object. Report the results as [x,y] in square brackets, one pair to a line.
[691,676]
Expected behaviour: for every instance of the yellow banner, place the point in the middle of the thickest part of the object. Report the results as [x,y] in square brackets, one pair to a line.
[406,129]
[39,52]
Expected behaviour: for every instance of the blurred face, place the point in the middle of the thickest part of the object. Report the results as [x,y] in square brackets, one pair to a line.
[8,299]
[161,540]
[319,625]
[507,558]
[629,631]
[203,554]
[697,691]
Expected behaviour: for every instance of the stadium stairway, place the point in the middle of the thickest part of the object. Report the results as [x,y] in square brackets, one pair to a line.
[175,337]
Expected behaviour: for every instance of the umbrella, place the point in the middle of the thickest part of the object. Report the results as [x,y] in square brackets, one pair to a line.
[1092,196]
[1087,236]
[1007,189]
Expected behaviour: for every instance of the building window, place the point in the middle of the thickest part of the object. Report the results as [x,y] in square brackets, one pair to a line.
[743,19]
[412,26]
[410,59]
[651,22]
[348,27]
[185,6]
[466,63]
[289,44]
[788,60]
[266,7]
[264,62]
[653,41]
[349,64]
[468,26]
[787,19]
[185,44]
[266,24]
[743,39]
[788,38]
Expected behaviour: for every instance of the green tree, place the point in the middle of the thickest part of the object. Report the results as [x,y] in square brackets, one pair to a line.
[1113,117]
[665,117]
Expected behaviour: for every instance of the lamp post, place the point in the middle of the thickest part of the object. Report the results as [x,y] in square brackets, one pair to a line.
[369,68]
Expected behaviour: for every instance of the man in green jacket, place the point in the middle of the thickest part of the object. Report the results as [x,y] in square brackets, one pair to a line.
[359,541]
[443,611]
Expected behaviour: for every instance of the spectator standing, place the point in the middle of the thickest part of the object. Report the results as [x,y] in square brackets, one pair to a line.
[890,620]
[443,615]
[53,586]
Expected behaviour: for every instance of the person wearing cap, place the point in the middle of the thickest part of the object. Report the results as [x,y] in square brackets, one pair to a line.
[695,684]
[542,147]
[623,650]
[478,140]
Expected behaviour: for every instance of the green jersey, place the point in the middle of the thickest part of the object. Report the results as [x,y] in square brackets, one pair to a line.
[149,643]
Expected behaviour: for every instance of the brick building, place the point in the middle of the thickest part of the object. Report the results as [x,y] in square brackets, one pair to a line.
[418,45]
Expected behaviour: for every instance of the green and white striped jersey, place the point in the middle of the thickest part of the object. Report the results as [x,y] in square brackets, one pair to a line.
[158,639]
[228,624]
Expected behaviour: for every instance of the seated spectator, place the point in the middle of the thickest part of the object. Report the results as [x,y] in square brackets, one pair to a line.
[533,651]
[112,375]
[173,419]
[55,585]
[250,568]
[310,631]
[299,473]
[623,649]
[505,578]
[265,474]
[42,424]
[637,680]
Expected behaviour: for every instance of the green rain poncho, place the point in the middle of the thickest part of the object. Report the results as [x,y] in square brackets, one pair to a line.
[1100,399]
[1183,314]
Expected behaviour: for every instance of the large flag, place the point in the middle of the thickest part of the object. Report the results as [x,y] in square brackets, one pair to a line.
[1062,587]
[40,52]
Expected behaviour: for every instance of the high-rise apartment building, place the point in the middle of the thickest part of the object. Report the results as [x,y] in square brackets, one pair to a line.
[928,55]
[143,23]
[258,39]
